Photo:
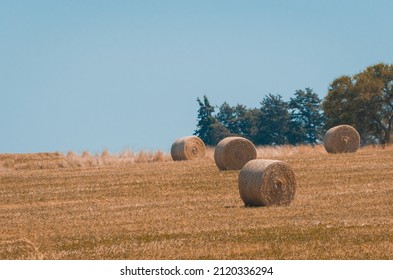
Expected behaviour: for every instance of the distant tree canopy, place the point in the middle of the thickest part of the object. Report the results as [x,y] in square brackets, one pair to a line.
[364,101]
[275,122]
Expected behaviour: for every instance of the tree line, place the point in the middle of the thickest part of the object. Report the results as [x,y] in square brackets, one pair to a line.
[364,101]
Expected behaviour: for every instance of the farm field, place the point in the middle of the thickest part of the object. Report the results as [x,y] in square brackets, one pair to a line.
[146,206]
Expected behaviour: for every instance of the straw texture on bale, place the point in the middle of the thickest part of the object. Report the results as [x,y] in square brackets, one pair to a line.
[188,148]
[266,183]
[232,153]
[341,139]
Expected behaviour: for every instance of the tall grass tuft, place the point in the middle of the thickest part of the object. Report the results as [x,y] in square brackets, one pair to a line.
[71,159]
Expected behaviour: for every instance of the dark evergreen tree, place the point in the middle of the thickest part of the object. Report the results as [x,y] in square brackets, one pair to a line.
[306,118]
[237,119]
[248,122]
[208,128]
[205,120]
[273,122]
[227,117]
[217,133]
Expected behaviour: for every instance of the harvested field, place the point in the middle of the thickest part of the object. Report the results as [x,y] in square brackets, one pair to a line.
[52,207]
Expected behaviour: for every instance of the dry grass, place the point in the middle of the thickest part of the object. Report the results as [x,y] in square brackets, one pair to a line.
[343,208]
[284,151]
[71,159]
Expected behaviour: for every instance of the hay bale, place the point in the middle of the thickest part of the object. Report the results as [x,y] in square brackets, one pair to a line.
[341,139]
[267,182]
[187,148]
[232,153]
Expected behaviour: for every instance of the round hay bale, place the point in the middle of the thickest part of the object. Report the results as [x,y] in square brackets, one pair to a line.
[188,148]
[232,153]
[341,139]
[267,182]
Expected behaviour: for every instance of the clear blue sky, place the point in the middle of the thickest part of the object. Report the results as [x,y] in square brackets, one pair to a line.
[92,75]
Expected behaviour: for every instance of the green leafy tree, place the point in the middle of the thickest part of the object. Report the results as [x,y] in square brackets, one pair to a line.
[338,105]
[364,101]
[374,89]
[306,117]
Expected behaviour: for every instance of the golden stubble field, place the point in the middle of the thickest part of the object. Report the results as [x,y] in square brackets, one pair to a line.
[55,206]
